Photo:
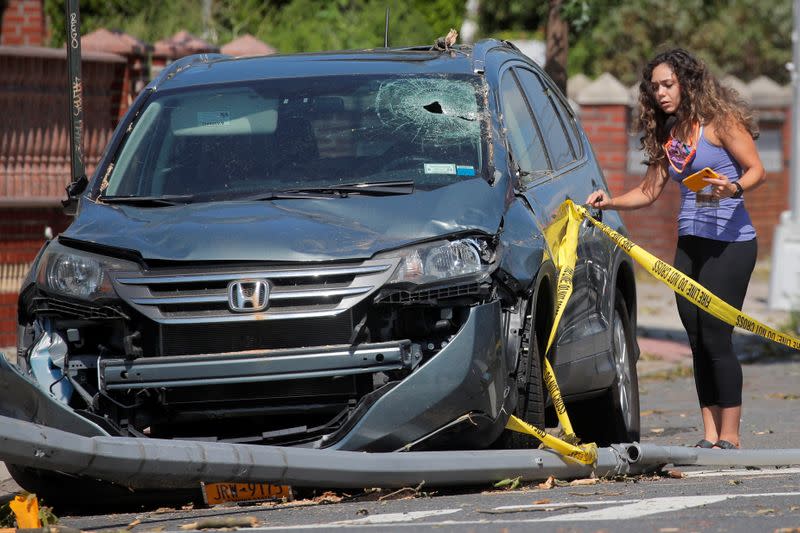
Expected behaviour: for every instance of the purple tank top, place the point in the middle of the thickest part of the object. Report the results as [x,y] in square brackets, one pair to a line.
[730,221]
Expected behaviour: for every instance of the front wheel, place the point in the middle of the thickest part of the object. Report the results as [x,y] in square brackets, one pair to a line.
[614,417]
[530,388]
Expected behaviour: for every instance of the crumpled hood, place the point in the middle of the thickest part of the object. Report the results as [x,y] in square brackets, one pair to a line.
[355,227]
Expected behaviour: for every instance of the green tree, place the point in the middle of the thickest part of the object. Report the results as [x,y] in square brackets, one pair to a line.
[746,38]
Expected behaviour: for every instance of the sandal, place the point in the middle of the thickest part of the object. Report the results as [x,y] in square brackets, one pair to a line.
[704,444]
[725,445]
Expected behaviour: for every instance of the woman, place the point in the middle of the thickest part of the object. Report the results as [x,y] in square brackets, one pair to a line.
[690,122]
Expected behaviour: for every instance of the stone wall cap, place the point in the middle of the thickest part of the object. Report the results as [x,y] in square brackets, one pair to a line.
[182,44]
[115,42]
[58,53]
[767,93]
[605,90]
[577,83]
[247,45]
[737,85]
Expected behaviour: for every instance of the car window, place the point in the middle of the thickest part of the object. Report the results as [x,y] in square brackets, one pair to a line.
[231,140]
[523,135]
[553,130]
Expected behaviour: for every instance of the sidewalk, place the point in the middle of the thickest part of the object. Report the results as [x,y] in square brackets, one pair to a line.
[662,339]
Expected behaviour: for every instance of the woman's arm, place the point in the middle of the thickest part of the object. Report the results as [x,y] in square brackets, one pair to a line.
[737,140]
[643,195]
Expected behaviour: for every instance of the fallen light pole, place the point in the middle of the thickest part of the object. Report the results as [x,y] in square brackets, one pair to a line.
[158,464]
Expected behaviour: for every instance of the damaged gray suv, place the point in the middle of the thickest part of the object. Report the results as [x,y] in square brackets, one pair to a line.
[334,250]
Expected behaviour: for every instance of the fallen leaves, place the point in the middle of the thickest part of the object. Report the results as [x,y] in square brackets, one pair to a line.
[675,474]
[766,432]
[508,483]
[216,522]
[783,396]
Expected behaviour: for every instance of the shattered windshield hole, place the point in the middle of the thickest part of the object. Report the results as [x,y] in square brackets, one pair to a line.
[430,109]
[434,107]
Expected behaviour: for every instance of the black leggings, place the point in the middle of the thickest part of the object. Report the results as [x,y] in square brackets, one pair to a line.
[723,268]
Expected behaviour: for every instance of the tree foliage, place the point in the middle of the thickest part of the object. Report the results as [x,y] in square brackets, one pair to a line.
[745,38]
[289,26]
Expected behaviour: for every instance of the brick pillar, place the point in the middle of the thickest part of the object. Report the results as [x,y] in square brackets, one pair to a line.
[605,114]
[23,23]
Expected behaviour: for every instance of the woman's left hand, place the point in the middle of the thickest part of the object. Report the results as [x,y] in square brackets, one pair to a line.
[723,187]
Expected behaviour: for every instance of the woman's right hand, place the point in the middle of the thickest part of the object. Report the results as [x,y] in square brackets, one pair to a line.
[599,199]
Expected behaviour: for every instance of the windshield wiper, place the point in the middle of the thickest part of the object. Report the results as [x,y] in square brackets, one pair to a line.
[148,201]
[367,188]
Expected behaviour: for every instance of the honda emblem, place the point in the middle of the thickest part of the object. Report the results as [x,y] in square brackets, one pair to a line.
[248,295]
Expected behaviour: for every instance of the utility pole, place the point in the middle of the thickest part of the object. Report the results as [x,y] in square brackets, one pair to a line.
[784,283]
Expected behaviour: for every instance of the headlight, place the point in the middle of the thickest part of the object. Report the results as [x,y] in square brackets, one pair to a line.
[78,274]
[441,260]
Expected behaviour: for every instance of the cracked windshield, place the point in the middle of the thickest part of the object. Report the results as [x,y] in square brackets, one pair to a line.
[236,141]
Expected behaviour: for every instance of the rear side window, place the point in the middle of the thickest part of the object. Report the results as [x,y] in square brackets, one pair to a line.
[524,138]
[553,129]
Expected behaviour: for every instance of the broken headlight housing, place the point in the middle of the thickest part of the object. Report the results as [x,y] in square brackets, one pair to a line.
[442,260]
[78,274]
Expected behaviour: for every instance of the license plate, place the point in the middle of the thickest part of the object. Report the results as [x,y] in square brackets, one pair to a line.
[216,493]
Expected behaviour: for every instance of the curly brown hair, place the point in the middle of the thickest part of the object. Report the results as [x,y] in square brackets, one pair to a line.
[703,100]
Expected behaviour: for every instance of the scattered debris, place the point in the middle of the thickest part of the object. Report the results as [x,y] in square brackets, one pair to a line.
[222,522]
[783,396]
[362,512]
[767,432]
[735,482]
[446,42]
[587,481]
[133,524]
[405,493]
[508,483]
[675,474]
[657,430]
[765,511]
[528,508]
[542,501]
[648,412]
[551,482]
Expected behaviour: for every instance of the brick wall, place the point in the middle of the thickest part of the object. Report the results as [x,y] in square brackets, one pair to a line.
[34,139]
[23,23]
[21,236]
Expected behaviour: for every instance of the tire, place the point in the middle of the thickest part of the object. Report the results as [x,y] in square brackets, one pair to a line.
[530,388]
[614,417]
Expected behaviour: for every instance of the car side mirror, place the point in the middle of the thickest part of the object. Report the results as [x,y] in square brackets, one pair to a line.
[74,190]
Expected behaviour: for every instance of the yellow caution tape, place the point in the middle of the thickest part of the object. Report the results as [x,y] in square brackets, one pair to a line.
[26,511]
[584,453]
[562,238]
[689,288]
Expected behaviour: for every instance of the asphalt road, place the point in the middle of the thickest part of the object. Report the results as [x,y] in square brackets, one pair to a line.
[705,499]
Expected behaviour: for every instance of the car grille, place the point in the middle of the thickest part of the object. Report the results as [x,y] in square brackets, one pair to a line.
[307,305]
[188,339]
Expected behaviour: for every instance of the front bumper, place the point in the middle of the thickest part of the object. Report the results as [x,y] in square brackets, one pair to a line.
[466,377]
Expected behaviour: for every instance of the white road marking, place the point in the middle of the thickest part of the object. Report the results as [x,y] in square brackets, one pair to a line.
[638,509]
[629,510]
[393,518]
[743,472]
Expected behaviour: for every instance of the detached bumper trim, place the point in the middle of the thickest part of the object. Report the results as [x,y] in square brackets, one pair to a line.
[274,365]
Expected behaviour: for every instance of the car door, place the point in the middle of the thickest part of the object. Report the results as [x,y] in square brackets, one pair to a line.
[545,189]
